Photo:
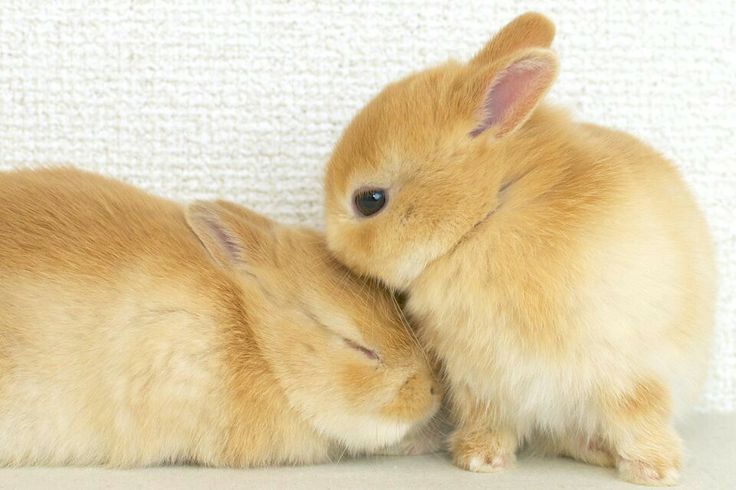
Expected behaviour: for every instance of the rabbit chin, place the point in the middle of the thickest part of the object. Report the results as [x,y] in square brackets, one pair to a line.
[361,433]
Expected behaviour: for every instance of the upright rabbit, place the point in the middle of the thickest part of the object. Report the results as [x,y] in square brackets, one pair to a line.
[136,332]
[561,271]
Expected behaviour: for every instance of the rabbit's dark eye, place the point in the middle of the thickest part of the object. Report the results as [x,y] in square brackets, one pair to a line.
[369,202]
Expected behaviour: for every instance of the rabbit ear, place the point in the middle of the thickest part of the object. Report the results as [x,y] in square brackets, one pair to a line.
[231,234]
[246,214]
[529,30]
[505,94]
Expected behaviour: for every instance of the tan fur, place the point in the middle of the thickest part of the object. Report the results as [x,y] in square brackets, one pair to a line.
[124,341]
[561,271]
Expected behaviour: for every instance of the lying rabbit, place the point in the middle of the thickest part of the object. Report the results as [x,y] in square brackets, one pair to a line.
[561,271]
[137,332]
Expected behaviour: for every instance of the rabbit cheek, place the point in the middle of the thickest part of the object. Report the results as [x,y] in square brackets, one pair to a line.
[417,399]
[364,387]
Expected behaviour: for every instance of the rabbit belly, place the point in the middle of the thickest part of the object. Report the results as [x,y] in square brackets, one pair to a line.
[636,316]
[557,393]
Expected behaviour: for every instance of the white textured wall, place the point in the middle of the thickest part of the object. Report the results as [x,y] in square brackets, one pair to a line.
[243,100]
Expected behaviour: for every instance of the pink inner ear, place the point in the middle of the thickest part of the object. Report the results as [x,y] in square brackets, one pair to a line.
[513,93]
[227,243]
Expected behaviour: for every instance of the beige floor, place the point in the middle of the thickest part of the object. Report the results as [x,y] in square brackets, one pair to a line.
[710,464]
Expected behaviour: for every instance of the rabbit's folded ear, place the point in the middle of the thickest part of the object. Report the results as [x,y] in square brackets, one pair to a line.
[232,235]
[529,30]
[246,214]
[503,95]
